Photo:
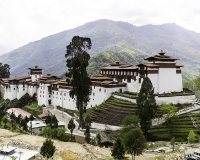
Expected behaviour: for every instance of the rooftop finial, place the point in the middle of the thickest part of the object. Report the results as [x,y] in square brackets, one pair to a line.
[161,52]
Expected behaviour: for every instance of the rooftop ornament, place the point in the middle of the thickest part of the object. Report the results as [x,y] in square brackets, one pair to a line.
[161,52]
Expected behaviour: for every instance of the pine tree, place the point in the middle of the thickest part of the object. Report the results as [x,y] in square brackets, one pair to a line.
[47,150]
[87,134]
[71,126]
[77,62]
[118,150]
[146,105]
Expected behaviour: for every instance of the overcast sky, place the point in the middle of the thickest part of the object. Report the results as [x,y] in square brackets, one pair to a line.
[24,21]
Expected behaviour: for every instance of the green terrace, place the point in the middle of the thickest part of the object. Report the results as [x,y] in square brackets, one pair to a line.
[112,111]
[178,128]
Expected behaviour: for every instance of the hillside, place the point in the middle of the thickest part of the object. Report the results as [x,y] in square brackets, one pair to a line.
[125,41]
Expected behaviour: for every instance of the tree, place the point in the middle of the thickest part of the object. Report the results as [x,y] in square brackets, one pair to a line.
[61,133]
[118,150]
[71,126]
[98,137]
[134,142]
[47,150]
[31,118]
[88,121]
[77,62]
[146,105]
[128,123]
[173,142]
[20,154]
[4,71]
[87,134]
[192,137]
[5,121]
[169,112]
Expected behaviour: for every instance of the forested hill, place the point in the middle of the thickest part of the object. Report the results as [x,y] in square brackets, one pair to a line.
[123,41]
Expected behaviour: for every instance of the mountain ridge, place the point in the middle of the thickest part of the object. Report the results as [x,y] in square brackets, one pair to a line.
[107,36]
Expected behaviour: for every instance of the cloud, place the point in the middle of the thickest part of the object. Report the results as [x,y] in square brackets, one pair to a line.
[25,21]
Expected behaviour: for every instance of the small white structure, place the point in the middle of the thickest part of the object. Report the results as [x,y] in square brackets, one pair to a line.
[38,126]
[6,152]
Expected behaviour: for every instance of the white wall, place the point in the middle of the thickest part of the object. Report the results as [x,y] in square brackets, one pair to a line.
[101,94]
[154,81]
[168,80]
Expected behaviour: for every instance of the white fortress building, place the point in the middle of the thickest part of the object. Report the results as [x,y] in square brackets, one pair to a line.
[161,69]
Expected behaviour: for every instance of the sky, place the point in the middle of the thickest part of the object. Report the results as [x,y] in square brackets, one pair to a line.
[25,21]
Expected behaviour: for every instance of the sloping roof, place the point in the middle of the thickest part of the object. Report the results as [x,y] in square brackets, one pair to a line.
[42,115]
[161,57]
[107,82]
[39,124]
[18,111]
[152,65]
[26,154]
[120,67]
[98,77]
[17,78]
[104,137]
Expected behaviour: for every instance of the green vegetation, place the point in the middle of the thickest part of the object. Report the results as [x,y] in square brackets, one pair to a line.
[48,149]
[146,103]
[71,126]
[118,150]
[178,129]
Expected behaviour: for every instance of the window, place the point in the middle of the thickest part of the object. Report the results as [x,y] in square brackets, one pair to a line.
[93,93]
[104,90]
[60,93]
[14,88]
[129,79]
[99,89]
[23,89]
[64,94]
[139,80]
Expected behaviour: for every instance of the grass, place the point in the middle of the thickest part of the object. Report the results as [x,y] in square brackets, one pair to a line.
[34,107]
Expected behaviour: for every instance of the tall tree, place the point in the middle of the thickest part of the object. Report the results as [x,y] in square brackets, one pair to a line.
[146,105]
[47,150]
[71,126]
[118,150]
[77,76]
[4,71]
[134,142]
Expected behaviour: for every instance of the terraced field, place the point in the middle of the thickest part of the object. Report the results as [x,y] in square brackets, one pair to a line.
[179,128]
[113,111]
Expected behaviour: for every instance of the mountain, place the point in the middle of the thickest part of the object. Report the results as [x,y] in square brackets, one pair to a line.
[118,40]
